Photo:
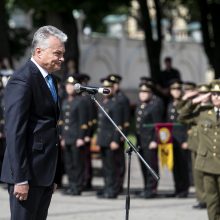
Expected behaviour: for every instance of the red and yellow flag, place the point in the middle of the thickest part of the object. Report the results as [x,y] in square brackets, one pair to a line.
[165,145]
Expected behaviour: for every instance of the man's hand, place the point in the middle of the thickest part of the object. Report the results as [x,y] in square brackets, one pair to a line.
[79,142]
[201,98]
[114,145]
[21,191]
[153,145]
[190,95]
[62,143]
[184,145]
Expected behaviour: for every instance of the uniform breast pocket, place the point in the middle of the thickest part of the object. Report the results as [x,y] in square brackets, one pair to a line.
[206,128]
[202,151]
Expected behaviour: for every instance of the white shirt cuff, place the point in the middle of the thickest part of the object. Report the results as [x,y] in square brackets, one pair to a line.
[22,183]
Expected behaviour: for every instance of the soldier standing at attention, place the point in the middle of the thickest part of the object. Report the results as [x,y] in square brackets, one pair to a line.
[207,159]
[74,128]
[92,123]
[108,140]
[179,134]
[147,114]
[156,94]
[123,100]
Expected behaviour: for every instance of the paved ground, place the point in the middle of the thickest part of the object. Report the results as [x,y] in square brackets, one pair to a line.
[88,207]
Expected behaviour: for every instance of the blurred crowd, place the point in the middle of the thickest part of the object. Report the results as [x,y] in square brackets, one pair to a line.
[83,125]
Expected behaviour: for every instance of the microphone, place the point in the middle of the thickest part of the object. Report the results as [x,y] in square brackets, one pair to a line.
[91,90]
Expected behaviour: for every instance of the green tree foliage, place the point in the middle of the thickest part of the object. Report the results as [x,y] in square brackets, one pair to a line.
[59,13]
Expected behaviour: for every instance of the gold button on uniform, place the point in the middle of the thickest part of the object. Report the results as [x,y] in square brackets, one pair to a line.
[214,154]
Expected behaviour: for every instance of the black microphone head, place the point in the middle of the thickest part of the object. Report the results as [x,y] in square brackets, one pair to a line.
[77,87]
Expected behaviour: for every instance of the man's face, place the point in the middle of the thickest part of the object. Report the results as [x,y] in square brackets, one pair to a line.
[51,58]
[145,96]
[168,64]
[215,96]
[69,89]
[176,93]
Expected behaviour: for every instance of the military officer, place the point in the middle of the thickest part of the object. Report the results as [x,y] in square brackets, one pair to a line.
[74,128]
[92,123]
[179,136]
[207,159]
[123,100]
[193,140]
[147,114]
[108,140]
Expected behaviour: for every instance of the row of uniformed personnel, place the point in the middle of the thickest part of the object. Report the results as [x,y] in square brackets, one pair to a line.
[79,120]
[78,123]
[201,112]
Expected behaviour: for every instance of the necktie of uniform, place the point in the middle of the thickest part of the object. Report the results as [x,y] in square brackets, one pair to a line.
[217,114]
[51,87]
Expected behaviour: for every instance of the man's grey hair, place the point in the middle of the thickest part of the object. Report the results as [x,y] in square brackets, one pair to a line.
[43,33]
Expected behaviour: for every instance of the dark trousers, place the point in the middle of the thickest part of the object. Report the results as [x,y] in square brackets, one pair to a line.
[2,151]
[121,167]
[150,156]
[109,169]
[74,160]
[88,165]
[35,207]
[180,168]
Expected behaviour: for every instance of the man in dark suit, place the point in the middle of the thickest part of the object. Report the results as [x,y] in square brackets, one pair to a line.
[31,114]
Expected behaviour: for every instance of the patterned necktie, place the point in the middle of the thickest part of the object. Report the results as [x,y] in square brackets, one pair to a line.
[51,87]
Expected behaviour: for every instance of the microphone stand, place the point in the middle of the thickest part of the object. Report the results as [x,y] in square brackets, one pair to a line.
[129,152]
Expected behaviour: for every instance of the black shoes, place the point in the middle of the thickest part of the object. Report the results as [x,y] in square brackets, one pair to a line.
[200,205]
[106,195]
[183,194]
[147,195]
[72,192]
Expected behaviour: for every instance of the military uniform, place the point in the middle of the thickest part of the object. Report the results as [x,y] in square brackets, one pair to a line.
[106,135]
[122,100]
[208,152]
[147,114]
[92,123]
[193,143]
[179,136]
[74,127]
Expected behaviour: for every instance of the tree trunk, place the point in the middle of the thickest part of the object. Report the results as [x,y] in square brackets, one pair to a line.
[70,28]
[215,12]
[153,47]
[5,48]
[67,23]
[204,9]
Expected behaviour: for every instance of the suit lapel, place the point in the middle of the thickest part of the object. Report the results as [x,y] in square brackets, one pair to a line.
[43,85]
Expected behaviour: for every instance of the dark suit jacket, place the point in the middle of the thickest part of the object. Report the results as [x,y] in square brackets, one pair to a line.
[31,129]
